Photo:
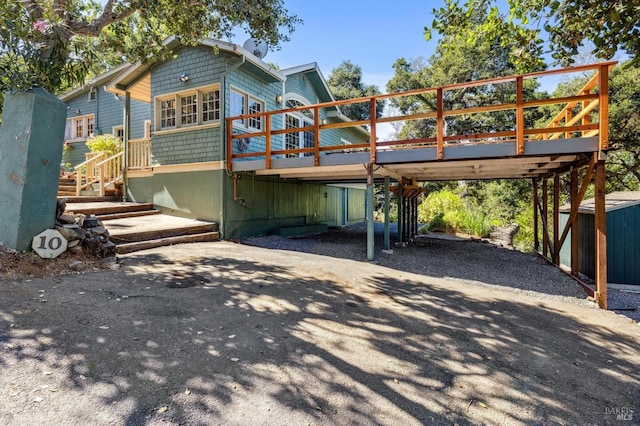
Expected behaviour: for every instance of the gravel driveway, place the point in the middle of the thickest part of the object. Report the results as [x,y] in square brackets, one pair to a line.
[225,333]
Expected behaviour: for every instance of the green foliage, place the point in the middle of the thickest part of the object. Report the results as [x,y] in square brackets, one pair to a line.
[455,61]
[105,143]
[437,204]
[59,43]
[444,210]
[345,82]
[609,26]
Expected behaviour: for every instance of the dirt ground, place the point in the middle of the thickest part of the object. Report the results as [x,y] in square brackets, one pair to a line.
[226,333]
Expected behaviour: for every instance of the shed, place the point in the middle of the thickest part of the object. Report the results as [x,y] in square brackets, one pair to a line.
[623,237]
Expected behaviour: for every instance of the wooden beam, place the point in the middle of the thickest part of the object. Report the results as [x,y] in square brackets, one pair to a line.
[545,218]
[556,219]
[603,91]
[536,203]
[520,116]
[372,130]
[316,136]
[600,236]
[575,230]
[440,125]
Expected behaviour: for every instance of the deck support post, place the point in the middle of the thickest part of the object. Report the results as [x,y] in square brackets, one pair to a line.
[575,236]
[387,239]
[400,231]
[545,218]
[369,203]
[556,219]
[536,202]
[600,236]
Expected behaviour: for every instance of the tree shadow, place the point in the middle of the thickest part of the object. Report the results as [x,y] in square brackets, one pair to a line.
[232,339]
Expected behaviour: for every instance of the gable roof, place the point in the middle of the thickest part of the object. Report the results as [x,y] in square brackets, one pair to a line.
[315,77]
[98,81]
[137,78]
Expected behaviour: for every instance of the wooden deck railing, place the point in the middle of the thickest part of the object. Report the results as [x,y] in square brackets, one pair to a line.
[139,151]
[109,172]
[582,115]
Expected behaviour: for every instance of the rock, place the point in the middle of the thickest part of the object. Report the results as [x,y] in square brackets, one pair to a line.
[76,265]
[61,206]
[504,236]
[72,243]
[390,251]
[65,218]
[75,249]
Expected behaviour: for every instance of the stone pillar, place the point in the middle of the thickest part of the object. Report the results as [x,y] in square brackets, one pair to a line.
[31,138]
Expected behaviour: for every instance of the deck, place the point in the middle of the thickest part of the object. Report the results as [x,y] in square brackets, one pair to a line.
[518,151]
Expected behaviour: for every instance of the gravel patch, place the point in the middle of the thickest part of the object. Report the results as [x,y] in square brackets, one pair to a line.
[466,261]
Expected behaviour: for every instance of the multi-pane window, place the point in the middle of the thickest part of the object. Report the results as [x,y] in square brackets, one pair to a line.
[298,139]
[211,106]
[167,113]
[80,127]
[118,132]
[90,120]
[255,107]
[188,109]
[241,104]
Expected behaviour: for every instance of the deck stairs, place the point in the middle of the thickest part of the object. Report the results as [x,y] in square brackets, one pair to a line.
[139,226]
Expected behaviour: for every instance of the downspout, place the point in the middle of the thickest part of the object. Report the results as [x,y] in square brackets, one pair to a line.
[223,133]
[126,130]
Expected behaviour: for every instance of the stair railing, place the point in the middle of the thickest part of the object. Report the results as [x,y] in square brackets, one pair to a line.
[99,169]
[87,171]
[109,171]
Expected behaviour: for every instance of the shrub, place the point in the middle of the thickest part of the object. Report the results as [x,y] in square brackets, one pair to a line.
[105,143]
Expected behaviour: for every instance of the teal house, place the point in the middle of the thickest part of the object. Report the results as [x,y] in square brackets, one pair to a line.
[171,118]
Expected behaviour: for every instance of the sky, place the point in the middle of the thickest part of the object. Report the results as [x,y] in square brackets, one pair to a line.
[372,35]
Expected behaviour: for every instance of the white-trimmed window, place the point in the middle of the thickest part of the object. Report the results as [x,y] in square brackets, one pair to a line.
[118,132]
[298,119]
[191,108]
[92,95]
[80,127]
[242,103]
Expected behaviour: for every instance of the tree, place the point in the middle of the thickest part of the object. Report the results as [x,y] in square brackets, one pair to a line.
[456,61]
[53,43]
[610,25]
[345,82]
[623,164]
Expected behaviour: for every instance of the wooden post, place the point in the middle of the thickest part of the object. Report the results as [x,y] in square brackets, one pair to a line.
[316,136]
[556,219]
[229,146]
[372,130]
[370,225]
[575,235]
[536,203]
[267,148]
[400,211]
[545,219]
[520,115]
[600,237]
[603,105]
[440,124]
[387,239]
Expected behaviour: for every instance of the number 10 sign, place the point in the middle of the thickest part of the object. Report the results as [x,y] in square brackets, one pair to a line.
[49,244]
